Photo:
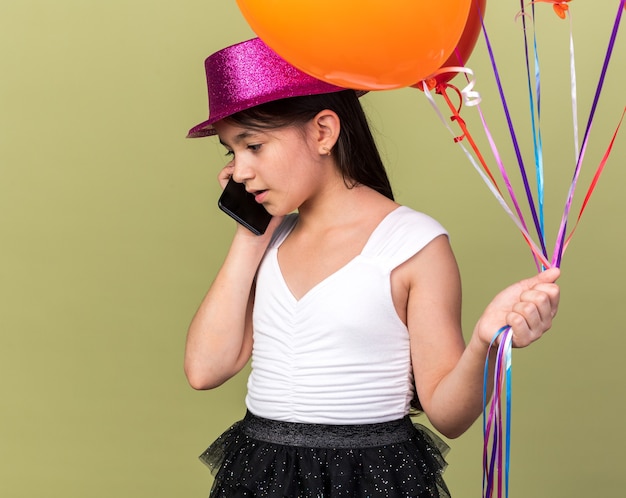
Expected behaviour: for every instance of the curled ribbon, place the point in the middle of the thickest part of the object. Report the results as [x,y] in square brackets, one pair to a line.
[470,96]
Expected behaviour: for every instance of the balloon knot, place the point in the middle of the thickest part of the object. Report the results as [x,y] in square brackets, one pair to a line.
[431,83]
[560,7]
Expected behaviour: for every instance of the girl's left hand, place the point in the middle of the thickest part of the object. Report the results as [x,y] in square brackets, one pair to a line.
[527,306]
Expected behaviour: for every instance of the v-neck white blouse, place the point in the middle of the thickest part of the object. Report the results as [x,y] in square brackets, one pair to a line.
[340,354]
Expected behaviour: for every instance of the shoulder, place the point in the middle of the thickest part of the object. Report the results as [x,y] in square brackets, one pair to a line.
[406,217]
[400,236]
[404,232]
[426,241]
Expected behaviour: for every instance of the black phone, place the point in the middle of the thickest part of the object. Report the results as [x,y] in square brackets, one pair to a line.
[241,206]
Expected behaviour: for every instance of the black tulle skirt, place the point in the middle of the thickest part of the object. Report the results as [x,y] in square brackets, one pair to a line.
[257,457]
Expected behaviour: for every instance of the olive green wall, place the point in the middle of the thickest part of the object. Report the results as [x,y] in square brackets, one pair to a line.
[110,235]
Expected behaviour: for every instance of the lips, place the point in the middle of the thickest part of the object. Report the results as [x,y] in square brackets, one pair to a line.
[259,195]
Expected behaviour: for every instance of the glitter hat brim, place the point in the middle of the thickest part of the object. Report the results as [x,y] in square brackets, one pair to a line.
[248,74]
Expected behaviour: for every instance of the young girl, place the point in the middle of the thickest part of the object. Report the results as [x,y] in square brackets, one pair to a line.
[350,309]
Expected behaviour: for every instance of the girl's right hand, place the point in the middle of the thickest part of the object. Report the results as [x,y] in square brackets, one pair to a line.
[225,174]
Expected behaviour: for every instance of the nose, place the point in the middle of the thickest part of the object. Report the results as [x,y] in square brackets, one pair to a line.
[242,172]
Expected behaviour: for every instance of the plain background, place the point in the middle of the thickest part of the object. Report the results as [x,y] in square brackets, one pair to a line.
[110,235]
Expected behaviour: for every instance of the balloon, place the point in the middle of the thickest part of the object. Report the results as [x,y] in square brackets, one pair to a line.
[367,44]
[461,54]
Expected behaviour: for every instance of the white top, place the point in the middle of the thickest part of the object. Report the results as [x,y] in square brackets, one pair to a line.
[340,354]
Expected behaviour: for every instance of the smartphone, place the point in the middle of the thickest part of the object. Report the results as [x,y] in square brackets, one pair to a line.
[241,206]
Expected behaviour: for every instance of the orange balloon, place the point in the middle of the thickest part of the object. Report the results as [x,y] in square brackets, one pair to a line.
[367,44]
[461,54]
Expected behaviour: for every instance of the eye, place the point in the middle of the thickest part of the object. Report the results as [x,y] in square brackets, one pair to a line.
[254,147]
[229,153]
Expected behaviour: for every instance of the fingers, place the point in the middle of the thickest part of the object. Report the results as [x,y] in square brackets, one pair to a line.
[532,315]
[549,276]
[225,173]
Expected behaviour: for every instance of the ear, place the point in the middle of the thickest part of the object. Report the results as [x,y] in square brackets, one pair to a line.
[326,128]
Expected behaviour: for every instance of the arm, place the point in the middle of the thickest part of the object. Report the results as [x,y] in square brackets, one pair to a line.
[449,375]
[219,339]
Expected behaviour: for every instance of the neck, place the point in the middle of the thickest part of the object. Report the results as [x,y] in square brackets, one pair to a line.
[340,204]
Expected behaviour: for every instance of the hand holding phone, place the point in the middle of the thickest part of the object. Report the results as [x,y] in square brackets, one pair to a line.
[243,208]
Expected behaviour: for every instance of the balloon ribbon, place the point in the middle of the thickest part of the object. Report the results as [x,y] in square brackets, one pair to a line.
[496,421]
[497,426]
[560,243]
[485,172]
